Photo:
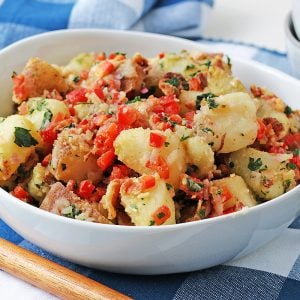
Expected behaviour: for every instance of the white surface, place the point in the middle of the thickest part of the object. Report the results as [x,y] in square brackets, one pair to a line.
[257,22]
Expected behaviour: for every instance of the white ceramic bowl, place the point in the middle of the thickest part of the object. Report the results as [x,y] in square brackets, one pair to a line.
[292,45]
[143,250]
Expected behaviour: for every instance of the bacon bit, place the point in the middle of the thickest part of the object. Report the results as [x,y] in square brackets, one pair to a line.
[23,109]
[218,63]
[54,94]
[189,117]
[261,131]
[276,125]
[84,75]
[222,142]
[267,182]
[256,91]
[71,185]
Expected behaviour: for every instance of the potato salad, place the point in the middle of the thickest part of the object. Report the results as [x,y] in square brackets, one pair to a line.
[141,141]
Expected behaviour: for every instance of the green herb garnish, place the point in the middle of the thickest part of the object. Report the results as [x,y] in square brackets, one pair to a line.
[169,186]
[135,99]
[184,137]
[151,223]
[161,215]
[231,164]
[207,97]
[254,164]
[189,67]
[288,110]
[206,130]
[47,118]
[23,138]
[291,166]
[174,81]
[63,166]
[76,79]
[71,211]
[193,186]
[286,184]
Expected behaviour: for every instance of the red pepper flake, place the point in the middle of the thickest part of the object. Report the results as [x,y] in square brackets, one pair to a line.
[156,140]
[86,189]
[161,215]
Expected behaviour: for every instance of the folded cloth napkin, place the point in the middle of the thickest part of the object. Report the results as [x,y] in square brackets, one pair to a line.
[272,272]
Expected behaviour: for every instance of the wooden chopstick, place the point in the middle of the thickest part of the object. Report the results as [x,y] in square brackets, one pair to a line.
[52,277]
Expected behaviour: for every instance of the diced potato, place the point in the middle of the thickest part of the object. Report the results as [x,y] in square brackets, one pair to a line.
[222,83]
[133,149]
[72,157]
[141,206]
[227,122]
[199,153]
[41,111]
[238,189]
[37,186]
[93,106]
[79,63]
[63,202]
[39,76]
[18,140]
[265,173]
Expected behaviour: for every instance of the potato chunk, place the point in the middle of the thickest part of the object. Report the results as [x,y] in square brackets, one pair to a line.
[199,153]
[265,173]
[18,140]
[238,189]
[142,206]
[72,157]
[37,186]
[40,76]
[133,149]
[41,111]
[63,202]
[227,122]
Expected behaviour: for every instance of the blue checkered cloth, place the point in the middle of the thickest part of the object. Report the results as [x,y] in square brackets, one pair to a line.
[272,272]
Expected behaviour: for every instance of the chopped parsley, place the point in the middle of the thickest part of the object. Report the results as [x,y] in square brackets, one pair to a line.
[76,79]
[41,104]
[288,110]
[47,118]
[185,86]
[296,152]
[207,130]
[23,138]
[63,166]
[22,172]
[211,144]
[167,144]
[209,98]
[291,166]
[254,164]
[208,64]
[120,53]
[135,99]
[286,184]
[193,186]
[184,137]
[169,186]
[161,215]
[201,213]
[189,67]
[228,61]
[151,223]
[231,164]
[71,211]
[174,81]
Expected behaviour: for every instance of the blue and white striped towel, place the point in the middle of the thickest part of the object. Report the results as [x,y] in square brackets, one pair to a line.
[272,272]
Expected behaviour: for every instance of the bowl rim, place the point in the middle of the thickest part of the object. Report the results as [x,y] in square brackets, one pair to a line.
[116,228]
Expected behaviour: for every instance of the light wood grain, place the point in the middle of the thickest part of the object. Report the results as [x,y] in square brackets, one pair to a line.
[51,277]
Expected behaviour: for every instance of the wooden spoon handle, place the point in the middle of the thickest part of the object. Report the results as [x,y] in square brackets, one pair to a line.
[51,277]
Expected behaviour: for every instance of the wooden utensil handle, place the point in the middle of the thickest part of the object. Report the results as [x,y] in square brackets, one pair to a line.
[50,276]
